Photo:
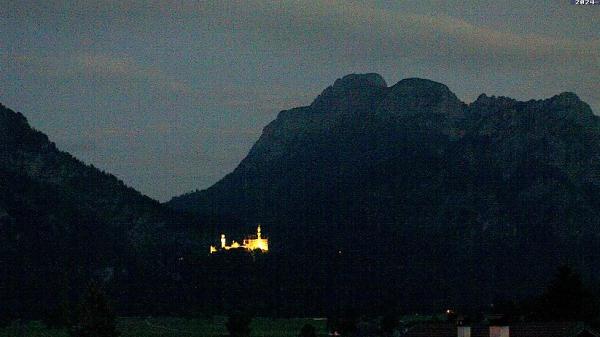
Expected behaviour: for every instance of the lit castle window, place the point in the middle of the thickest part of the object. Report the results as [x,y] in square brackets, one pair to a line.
[250,243]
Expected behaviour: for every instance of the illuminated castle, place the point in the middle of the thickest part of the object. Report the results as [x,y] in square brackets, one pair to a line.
[250,243]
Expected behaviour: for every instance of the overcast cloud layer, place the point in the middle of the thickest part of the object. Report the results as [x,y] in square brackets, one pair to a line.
[170,95]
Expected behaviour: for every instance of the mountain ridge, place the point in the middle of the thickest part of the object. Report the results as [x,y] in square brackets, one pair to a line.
[410,177]
[64,223]
[482,102]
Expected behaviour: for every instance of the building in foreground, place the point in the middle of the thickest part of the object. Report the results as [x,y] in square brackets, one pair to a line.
[521,329]
[250,243]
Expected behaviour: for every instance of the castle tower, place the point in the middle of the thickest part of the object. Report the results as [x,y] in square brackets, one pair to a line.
[223,241]
[258,232]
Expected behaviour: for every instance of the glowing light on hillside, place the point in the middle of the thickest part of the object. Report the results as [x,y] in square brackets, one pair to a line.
[250,243]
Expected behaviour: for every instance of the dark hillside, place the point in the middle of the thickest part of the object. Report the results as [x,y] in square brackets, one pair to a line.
[64,223]
[452,202]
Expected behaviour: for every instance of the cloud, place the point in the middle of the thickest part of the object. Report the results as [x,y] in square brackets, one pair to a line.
[340,24]
[350,35]
[177,76]
[119,70]
[331,34]
[107,65]
[296,23]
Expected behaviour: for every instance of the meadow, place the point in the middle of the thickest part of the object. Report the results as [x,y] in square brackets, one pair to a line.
[171,327]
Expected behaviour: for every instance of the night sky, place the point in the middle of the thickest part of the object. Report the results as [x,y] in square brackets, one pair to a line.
[170,95]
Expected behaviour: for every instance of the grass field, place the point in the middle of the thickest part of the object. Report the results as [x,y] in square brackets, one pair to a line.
[171,327]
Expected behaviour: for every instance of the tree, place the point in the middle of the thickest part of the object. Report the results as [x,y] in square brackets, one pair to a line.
[308,331]
[95,317]
[389,323]
[238,324]
[59,312]
[566,299]
[345,325]
[509,310]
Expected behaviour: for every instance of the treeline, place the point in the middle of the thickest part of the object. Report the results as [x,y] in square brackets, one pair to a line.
[566,299]
[248,291]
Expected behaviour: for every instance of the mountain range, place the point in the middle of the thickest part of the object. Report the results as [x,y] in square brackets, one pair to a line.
[450,202]
[371,195]
[64,223]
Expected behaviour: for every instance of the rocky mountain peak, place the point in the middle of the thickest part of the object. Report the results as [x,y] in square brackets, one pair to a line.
[566,97]
[568,100]
[10,118]
[485,100]
[419,87]
[568,105]
[486,105]
[351,87]
[15,131]
[353,81]
[415,96]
